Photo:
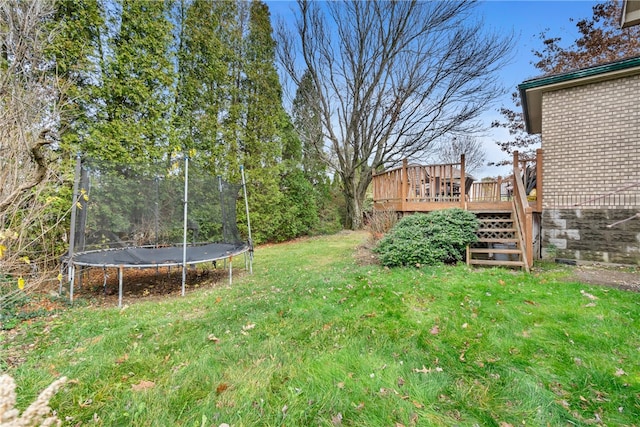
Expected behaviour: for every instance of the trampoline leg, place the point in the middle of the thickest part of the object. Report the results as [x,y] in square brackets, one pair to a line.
[60,277]
[120,286]
[72,270]
[184,277]
[230,270]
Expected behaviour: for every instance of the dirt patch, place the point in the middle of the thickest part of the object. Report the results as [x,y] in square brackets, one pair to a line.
[101,287]
[364,253]
[627,278]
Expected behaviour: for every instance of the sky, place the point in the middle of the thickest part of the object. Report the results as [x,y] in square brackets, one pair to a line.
[526,19]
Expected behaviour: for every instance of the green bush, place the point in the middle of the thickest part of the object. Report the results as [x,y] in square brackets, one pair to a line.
[434,238]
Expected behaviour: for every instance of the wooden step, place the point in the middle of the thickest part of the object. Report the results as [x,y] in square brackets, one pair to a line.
[491,211]
[496,263]
[495,219]
[494,251]
[485,230]
[496,240]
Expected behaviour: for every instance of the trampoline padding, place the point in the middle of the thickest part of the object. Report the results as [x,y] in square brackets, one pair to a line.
[137,256]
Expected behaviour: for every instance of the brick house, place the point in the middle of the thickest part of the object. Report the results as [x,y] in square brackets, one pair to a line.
[589,121]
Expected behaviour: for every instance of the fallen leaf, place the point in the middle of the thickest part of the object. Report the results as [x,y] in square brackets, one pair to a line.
[413,419]
[465,325]
[213,338]
[248,327]
[122,359]
[336,420]
[221,388]
[462,359]
[417,404]
[285,408]
[588,295]
[435,330]
[340,385]
[591,304]
[360,406]
[501,282]
[143,385]
[529,302]
[620,372]
[400,381]
[424,370]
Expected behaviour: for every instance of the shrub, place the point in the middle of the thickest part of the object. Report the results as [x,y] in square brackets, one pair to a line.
[434,238]
[380,222]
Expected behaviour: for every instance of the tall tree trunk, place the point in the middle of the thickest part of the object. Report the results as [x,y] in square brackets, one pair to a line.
[355,192]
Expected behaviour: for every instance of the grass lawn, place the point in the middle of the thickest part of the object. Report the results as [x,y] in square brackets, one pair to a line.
[314,337]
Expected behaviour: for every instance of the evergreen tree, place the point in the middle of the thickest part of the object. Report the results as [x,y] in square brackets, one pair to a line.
[275,188]
[75,53]
[205,81]
[306,111]
[135,105]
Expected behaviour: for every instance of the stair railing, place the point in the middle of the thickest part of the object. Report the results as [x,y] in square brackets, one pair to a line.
[521,211]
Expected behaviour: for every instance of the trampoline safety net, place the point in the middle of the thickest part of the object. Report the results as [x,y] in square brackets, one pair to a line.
[123,209]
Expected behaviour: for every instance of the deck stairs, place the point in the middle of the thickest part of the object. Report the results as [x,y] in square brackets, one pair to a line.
[499,242]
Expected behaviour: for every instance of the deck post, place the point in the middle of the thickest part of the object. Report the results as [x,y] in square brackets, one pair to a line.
[463,183]
[529,235]
[498,189]
[539,180]
[404,184]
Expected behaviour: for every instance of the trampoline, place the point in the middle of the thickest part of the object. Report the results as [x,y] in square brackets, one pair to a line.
[153,217]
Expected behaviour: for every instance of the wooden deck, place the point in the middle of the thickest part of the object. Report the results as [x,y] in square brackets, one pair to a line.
[423,188]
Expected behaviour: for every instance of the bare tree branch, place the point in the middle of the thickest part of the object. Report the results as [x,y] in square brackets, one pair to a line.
[29,97]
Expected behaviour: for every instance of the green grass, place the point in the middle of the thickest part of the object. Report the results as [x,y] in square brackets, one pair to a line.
[313,338]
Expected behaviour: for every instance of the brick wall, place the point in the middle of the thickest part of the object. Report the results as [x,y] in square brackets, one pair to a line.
[591,142]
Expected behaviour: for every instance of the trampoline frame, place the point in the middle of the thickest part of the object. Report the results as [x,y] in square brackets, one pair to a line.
[74,259]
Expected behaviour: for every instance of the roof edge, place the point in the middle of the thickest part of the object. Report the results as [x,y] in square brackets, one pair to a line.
[531,90]
[582,73]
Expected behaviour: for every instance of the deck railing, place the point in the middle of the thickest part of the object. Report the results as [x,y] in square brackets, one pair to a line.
[432,187]
[522,219]
[422,183]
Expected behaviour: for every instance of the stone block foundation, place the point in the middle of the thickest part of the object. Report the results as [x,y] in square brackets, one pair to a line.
[584,235]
